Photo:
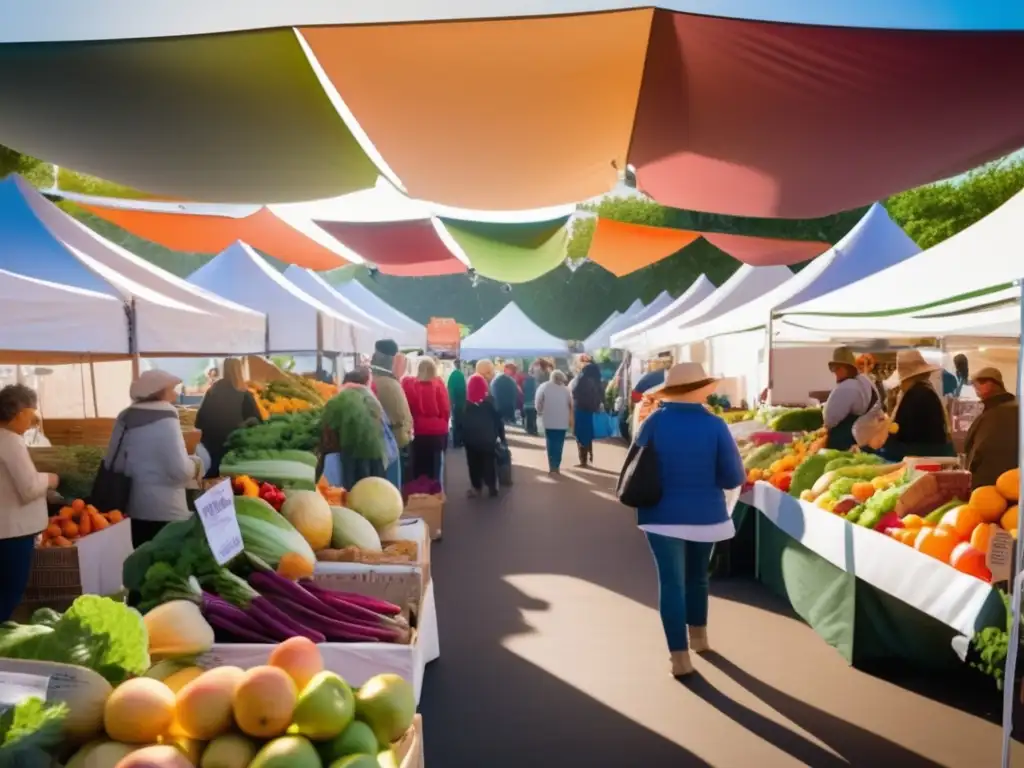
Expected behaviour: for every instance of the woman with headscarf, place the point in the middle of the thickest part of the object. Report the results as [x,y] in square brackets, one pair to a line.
[354,438]
[588,397]
[148,447]
[922,424]
[227,405]
[457,400]
[482,430]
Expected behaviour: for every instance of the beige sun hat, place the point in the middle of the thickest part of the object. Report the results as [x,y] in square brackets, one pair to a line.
[842,356]
[151,383]
[686,382]
[910,363]
[989,374]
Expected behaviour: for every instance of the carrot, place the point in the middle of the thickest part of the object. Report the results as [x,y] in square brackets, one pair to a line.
[60,541]
[78,505]
[85,526]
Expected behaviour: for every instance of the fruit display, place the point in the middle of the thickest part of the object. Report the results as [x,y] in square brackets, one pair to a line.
[292,394]
[775,460]
[132,697]
[75,521]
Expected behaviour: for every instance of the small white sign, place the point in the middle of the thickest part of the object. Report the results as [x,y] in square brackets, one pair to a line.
[15,687]
[1000,556]
[216,510]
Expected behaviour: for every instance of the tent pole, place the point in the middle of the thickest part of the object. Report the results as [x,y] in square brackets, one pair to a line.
[771,357]
[133,339]
[95,396]
[85,400]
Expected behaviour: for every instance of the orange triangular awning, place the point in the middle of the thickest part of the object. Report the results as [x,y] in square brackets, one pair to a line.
[623,248]
[207,233]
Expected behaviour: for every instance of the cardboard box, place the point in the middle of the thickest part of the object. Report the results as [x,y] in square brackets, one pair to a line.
[409,750]
[428,508]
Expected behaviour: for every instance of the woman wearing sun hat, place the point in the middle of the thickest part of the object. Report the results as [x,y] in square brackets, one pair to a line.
[852,398]
[697,462]
[922,424]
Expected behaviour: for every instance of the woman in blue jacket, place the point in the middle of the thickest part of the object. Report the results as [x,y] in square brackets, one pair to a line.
[697,461]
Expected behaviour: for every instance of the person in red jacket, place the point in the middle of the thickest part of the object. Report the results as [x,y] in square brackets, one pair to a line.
[428,402]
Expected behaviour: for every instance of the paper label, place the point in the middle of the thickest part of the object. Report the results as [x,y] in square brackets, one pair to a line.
[15,687]
[216,510]
[1000,556]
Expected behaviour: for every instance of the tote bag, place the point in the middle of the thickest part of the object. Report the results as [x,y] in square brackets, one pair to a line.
[640,480]
[111,489]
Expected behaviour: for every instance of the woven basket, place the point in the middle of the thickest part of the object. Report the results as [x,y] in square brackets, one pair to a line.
[55,579]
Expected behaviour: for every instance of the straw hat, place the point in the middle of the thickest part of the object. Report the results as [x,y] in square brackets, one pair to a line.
[910,363]
[685,382]
[151,383]
[989,374]
[842,356]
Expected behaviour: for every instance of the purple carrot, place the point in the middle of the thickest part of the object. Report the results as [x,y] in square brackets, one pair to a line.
[271,583]
[339,605]
[332,628]
[280,622]
[382,607]
[242,633]
[232,619]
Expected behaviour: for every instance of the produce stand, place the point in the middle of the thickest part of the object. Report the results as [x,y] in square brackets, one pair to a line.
[356,662]
[867,595]
[92,567]
[409,750]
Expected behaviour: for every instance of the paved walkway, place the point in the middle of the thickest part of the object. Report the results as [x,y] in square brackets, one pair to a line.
[552,652]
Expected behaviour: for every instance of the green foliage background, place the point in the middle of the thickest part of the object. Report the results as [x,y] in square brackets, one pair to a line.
[571,303]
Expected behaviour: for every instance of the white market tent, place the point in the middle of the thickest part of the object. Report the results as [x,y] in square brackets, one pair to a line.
[875,243]
[366,328]
[598,338]
[296,322]
[984,259]
[624,320]
[746,284]
[408,333]
[690,298]
[510,333]
[658,303]
[55,254]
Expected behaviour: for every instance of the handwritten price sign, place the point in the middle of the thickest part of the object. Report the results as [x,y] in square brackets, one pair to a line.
[216,510]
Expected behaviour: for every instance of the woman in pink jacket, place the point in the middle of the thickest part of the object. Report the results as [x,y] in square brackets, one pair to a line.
[428,402]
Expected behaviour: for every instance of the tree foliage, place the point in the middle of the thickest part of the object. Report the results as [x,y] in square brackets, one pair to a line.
[936,212]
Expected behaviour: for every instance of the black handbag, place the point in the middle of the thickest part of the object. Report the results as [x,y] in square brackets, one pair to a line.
[111,489]
[640,480]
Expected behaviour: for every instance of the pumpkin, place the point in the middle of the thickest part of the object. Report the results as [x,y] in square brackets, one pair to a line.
[1008,484]
[310,514]
[989,502]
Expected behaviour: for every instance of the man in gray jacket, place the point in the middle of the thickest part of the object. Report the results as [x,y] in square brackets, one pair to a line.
[388,388]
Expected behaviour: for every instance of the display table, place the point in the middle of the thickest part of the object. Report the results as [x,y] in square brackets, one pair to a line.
[356,662]
[867,595]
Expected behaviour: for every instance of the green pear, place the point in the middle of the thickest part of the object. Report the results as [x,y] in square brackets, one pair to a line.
[287,752]
[386,703]
[356,761]
[325,708]
[232,750]
[357,739]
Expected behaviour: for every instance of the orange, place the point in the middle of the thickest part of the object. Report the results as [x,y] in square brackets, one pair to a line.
[982,535]
[971,561]
[78,505]
[1008,484]
[913,522]
[908,536]
[961,520]
[1009,519]
[936,542]
[989,503]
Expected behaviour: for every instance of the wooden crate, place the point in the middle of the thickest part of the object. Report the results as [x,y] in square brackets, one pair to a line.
[79,431]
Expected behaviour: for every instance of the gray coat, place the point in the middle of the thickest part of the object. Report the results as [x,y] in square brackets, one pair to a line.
[153,455]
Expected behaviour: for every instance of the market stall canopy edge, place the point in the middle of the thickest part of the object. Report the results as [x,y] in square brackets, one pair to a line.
[511,333]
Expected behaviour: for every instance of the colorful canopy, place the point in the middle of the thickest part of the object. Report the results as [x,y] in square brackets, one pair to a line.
[296,322]
[690,298]
[622,248]
[510,333]
[734,113]
[56,255]
[973,268]
[874,244]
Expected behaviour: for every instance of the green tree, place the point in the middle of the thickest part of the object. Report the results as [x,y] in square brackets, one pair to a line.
[936,212]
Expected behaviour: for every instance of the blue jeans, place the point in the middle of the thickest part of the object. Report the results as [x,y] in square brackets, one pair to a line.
[15,567]
[554,439]
[682,585]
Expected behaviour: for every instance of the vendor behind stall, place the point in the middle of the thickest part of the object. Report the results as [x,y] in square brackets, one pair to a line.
[919,414]
[993,440]
[852,398]
[228,405]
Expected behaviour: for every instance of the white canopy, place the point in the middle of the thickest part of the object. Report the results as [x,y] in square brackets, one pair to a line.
[690,298]
[43,243]
[599,338]
[367,329]
[408,334]
[984,256]
[746,284]
[875,243]
[626,319]
[296,321]
[510,333]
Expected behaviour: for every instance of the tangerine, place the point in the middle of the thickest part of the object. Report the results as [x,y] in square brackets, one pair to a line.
[936,542]
[971,561]
[1008,484]
[989,503]
[912,522]
[1009,519]
[961,520]
[981,536]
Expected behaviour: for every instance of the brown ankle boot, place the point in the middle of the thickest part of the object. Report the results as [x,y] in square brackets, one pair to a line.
[681,664]
[699,640]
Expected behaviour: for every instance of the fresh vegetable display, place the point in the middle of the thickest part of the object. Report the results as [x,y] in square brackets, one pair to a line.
[76,466]
[285,468]
[292,431]
[290,395]
[75,521]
